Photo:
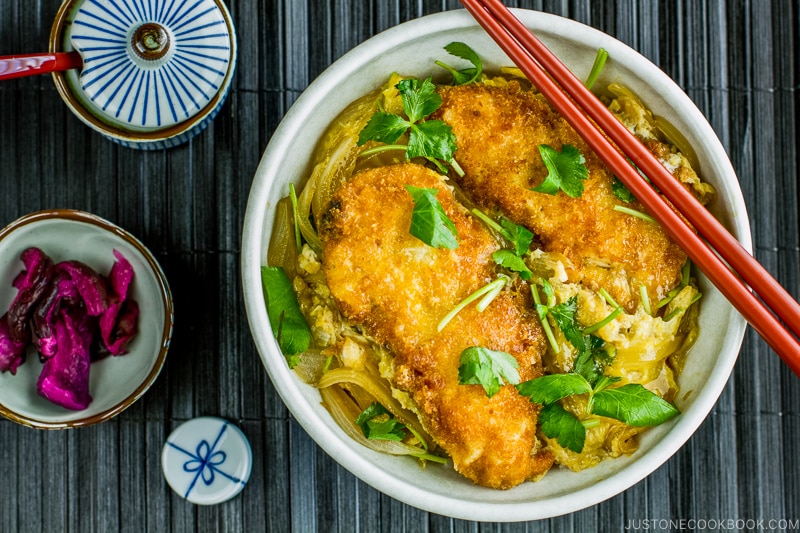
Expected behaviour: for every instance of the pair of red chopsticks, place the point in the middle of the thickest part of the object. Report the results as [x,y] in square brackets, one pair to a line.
[590,118]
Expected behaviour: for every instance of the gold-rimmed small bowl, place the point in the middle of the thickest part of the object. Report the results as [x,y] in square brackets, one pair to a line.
[115,382]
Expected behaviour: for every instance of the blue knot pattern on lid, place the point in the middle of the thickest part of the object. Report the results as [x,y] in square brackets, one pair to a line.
[207,460]
[151,64]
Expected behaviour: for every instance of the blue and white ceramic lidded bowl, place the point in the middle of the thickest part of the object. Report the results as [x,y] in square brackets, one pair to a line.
[155,72]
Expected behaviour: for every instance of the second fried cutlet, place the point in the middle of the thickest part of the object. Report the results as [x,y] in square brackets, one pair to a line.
[498,132]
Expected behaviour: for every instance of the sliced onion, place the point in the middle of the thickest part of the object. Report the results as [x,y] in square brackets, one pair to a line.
[304,212]
[344,411]
[379,391]
[674,136]
[282,250]
[311,366]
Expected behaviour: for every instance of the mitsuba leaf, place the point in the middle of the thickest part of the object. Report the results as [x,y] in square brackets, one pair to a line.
[564,315]
[634,405]
[513,262]
[621,191]
[287,321]
[488,368]
[592,359]
[420,98]
[519,236]
[432,139]
[378,424]
[566,170]
[468,75]
[558,423]
[383,127]
[549,389]
[429,222]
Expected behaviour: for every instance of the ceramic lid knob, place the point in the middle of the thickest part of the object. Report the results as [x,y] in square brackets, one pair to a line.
[207,460]
[150,41]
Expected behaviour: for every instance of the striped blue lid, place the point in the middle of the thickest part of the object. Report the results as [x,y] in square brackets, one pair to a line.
[151,64]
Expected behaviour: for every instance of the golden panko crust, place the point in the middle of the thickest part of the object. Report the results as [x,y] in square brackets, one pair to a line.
[498,132]
[398,289]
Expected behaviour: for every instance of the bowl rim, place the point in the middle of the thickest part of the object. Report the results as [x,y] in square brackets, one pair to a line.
[166,301]
[288,388]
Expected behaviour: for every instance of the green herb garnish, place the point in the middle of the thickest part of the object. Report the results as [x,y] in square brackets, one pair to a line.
[553,387]
[634,405]
[596,326]
[592,353]
[558,423]
[621,191]
[645,299]
[635,213]
[593,358]
[287,321]
[378,424]
[685,273]
[566,170]
[488,293]
[519,237]
[431,139]
[488,368]
[429,222]
[468,75]
[295,216]
[631,404]
[597,67]
[513,262]
[542,310]
[564,316]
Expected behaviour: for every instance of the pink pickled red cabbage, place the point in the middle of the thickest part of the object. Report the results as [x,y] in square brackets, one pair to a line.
[65,310]
[65,376]
[118,322]
[90,285]
[60,292]
[31,285]
[12,353]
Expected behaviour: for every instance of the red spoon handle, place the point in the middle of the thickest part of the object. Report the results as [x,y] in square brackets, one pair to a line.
[33,64]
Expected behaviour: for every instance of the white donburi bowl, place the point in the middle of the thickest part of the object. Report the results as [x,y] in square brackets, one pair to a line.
[411,49]
[115,382]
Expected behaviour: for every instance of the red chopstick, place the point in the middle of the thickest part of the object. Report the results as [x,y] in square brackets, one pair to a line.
[567,94]
[33,64]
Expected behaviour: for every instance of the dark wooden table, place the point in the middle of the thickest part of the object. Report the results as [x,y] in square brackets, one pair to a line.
[738,60]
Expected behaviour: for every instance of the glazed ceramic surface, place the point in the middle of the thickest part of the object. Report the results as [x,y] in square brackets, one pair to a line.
[154,73]
[115,381]
[411,49]
[207,460]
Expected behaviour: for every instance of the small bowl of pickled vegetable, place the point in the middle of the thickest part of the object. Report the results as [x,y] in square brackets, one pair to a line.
[85,319]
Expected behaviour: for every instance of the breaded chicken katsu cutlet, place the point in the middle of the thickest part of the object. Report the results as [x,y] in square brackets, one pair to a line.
[499,130]
[398,289]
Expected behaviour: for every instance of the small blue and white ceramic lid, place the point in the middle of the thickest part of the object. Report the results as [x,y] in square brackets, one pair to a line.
[155,73]
[207,460]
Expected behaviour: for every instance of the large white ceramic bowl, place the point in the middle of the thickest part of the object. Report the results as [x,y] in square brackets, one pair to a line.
[411,49]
